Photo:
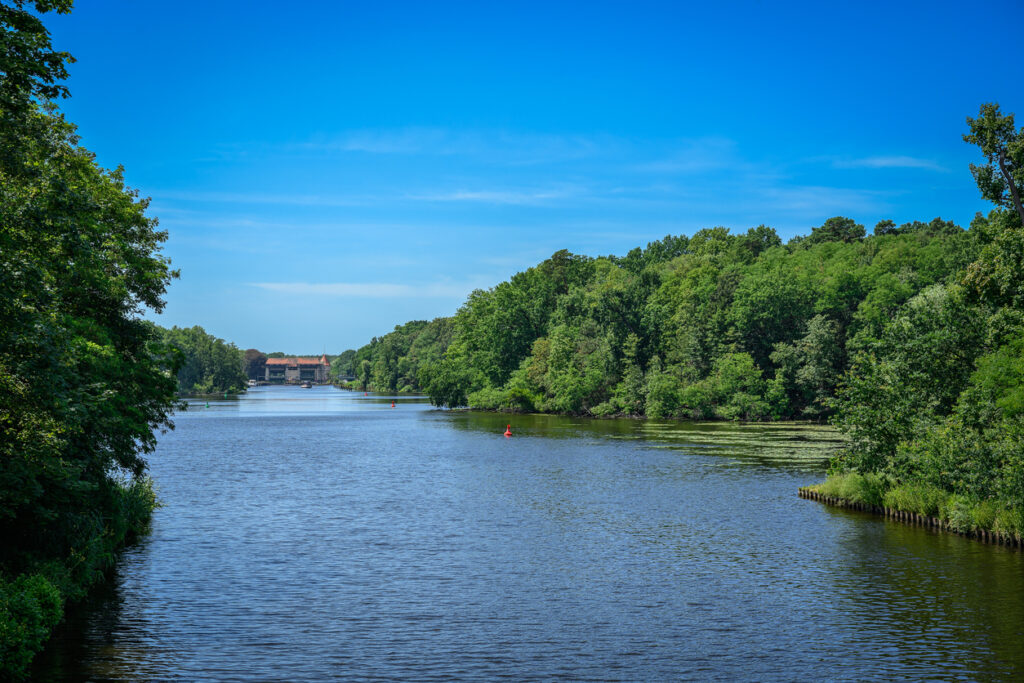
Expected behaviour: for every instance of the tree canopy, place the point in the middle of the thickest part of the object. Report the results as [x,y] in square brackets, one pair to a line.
[1002,178]
[206,364]
[734,326]
[85,383]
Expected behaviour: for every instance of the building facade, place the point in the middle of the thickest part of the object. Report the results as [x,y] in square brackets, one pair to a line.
[285,370]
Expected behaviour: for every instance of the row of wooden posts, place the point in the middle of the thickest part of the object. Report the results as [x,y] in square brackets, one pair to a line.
[1013,540]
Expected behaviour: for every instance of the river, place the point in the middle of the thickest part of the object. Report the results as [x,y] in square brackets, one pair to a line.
[311,534]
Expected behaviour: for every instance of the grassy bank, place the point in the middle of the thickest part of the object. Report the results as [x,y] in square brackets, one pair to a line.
[954,512]
[32,602]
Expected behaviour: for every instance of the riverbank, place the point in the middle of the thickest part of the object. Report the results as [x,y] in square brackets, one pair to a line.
[574,549]
[32,602]
[988,521]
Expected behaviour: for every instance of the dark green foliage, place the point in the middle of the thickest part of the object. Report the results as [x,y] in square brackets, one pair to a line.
[392,363]
[1001,180]
[445,382]
[343,366]
[207,364]
[934,400]
[836,229]
[254,363]
[712,326]
[85,383]
[30,606]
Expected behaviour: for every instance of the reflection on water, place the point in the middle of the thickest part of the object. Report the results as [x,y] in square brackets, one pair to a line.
[312,534]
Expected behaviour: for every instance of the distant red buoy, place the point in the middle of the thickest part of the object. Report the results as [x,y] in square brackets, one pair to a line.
[392,404]
[364,393]
[508,430]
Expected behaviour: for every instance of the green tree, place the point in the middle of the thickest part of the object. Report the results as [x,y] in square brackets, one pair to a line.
[30,70]
[254,363]
[836,229]
[343,365]
[1001,179]
[85,383]
[885,227]
[207,364]
[445,382]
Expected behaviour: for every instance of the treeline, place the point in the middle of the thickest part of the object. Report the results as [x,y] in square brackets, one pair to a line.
[392,363]
[207,364]
[934,404]
[85,383]
[717,325]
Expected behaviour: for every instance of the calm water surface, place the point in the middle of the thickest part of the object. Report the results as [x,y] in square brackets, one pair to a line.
[319,534]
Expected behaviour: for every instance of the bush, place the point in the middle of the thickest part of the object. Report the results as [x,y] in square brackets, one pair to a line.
[30,606]
[488,398]
[136,501]
[695,402]
[33,602]
[957,511]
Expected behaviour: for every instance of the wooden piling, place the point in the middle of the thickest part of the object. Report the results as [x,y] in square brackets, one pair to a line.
[983,535]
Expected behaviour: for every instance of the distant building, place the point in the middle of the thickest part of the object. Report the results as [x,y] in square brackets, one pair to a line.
[298,369]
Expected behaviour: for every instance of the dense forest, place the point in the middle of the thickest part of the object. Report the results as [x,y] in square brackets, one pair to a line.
[86,385]
[206,365]
[910,339]
[717,325]
[734,326]
[934,404]
[393,362]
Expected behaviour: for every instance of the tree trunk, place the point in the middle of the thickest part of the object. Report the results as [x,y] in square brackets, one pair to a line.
[1014,193]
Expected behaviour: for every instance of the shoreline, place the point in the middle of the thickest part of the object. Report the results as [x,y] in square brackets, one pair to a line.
[915,519]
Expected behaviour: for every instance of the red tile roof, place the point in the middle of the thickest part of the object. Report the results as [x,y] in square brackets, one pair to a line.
[298,361]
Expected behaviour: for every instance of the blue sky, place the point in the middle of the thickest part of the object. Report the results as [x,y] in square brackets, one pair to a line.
[327,170]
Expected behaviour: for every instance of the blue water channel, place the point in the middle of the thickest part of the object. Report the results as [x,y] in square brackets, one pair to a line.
[312,534]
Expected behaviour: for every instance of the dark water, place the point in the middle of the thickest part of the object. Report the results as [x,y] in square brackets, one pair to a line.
[317,534]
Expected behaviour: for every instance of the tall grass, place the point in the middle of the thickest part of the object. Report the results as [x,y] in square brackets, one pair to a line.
[854,487]
[960,513]
[920,499]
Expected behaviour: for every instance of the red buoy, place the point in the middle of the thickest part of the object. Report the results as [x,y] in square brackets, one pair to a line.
[392,404]
[508,430]
[364,393]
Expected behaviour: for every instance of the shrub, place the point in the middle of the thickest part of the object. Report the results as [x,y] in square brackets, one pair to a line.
[957,510]
[488,398]
[30,606]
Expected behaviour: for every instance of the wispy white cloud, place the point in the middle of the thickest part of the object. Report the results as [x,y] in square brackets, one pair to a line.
[262,198]
[492,146]
[890,162]
[815,200]
[371,290]
[694,156]
[488,196]
[511,196]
